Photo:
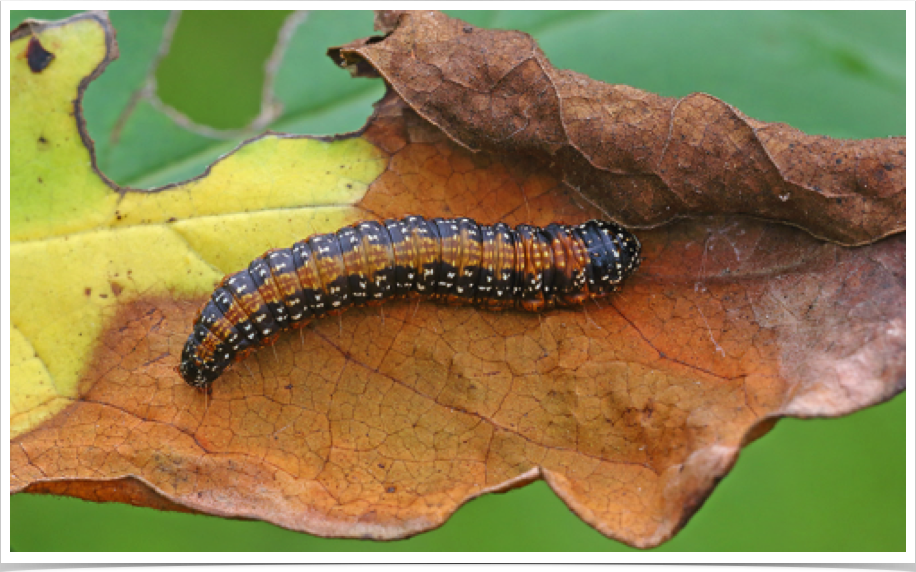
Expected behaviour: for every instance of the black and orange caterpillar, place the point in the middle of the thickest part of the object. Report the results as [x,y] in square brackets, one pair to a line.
[453,261]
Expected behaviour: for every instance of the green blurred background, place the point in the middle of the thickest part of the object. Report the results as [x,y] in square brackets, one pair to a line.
[817,485]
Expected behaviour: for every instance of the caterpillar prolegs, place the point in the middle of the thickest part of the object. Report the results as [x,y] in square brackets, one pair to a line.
[452,261]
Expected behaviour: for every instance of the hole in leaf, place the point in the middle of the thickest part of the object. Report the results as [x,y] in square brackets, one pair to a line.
[211,73]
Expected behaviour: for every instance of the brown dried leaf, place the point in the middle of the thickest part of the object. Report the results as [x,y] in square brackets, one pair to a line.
[643,158]
[383,424]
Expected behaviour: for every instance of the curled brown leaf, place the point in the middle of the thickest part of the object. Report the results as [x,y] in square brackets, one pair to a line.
[642,158]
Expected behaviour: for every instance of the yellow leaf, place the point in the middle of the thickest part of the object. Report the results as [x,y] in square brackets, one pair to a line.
[81,248]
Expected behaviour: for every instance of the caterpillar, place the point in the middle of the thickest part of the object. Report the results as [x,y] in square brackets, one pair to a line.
[452,261]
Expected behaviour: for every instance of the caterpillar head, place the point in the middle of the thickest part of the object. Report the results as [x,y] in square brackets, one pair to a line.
[628,246]
[193,372]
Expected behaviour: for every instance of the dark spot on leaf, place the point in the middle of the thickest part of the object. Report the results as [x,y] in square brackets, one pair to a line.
[468,29]
[888,167]
[41,139]
[103,295]
[391,489]
[171,219]
[116,288]
[38,57]
[88,291]
[839,161]
[40,180]
[381,465]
